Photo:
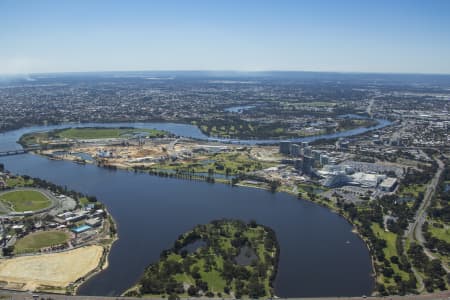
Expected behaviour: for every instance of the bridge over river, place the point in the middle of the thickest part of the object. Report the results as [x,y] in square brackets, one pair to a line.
[18,151]
[13,152]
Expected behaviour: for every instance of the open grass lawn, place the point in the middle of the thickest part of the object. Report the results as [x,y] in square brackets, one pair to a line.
[103,133]
[412,190]
[37,240]
[440,233]
[91,133]
[240,162]
[43,138]
[236,162]
[21,201]
[311,188]
[30,139]
[389,237]
[83,201]
[389,251]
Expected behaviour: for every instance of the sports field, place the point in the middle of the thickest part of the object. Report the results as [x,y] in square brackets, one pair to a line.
[37,240]
[103,133]
[55,270]
[20,201]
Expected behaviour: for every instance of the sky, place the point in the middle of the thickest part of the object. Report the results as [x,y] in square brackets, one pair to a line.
[393,36]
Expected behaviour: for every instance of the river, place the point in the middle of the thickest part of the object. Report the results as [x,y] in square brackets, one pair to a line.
[315,258]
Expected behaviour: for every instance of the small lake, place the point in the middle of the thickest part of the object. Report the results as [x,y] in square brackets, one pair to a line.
[239,109]
[246,256]
[194,246]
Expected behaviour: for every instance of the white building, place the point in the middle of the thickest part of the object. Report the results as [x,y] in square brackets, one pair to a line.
[388,184]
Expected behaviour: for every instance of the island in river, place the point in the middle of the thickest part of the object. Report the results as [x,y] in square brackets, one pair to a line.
[222,258]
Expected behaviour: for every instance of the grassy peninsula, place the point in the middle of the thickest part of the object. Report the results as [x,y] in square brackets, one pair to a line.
[225,258]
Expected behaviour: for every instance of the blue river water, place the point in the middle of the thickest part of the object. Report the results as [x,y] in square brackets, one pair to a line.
[151,212]
[183,130]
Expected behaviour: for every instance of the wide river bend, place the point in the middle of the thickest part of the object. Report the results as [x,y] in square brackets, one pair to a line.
[319,256]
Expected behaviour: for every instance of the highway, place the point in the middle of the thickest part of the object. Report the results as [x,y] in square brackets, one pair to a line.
[422,214]
[414,231]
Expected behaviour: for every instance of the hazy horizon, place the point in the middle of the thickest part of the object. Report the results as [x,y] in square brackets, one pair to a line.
[212,72]
[349,36]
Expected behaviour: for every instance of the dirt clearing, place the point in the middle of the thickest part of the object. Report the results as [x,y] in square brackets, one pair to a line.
[55,270]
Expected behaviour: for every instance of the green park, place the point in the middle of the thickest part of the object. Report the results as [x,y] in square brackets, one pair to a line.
[41,239]
[25,200]
[86,133]
[225,258]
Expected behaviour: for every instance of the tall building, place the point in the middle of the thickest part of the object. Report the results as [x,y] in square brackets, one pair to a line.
[285,148]
[316,154]
[324,159]
[295,150]
[298,164]
[307,151]
[308,163]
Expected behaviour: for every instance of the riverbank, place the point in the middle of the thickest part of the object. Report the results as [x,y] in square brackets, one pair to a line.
[235,129]
[333,208]
[54,272]
[357,262]
[187,131]
[264,186]
[53,250]
[104,261]
[142,203]
[328,205]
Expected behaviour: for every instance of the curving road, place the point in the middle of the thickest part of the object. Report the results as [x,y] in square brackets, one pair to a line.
[420,220]
[414,231]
